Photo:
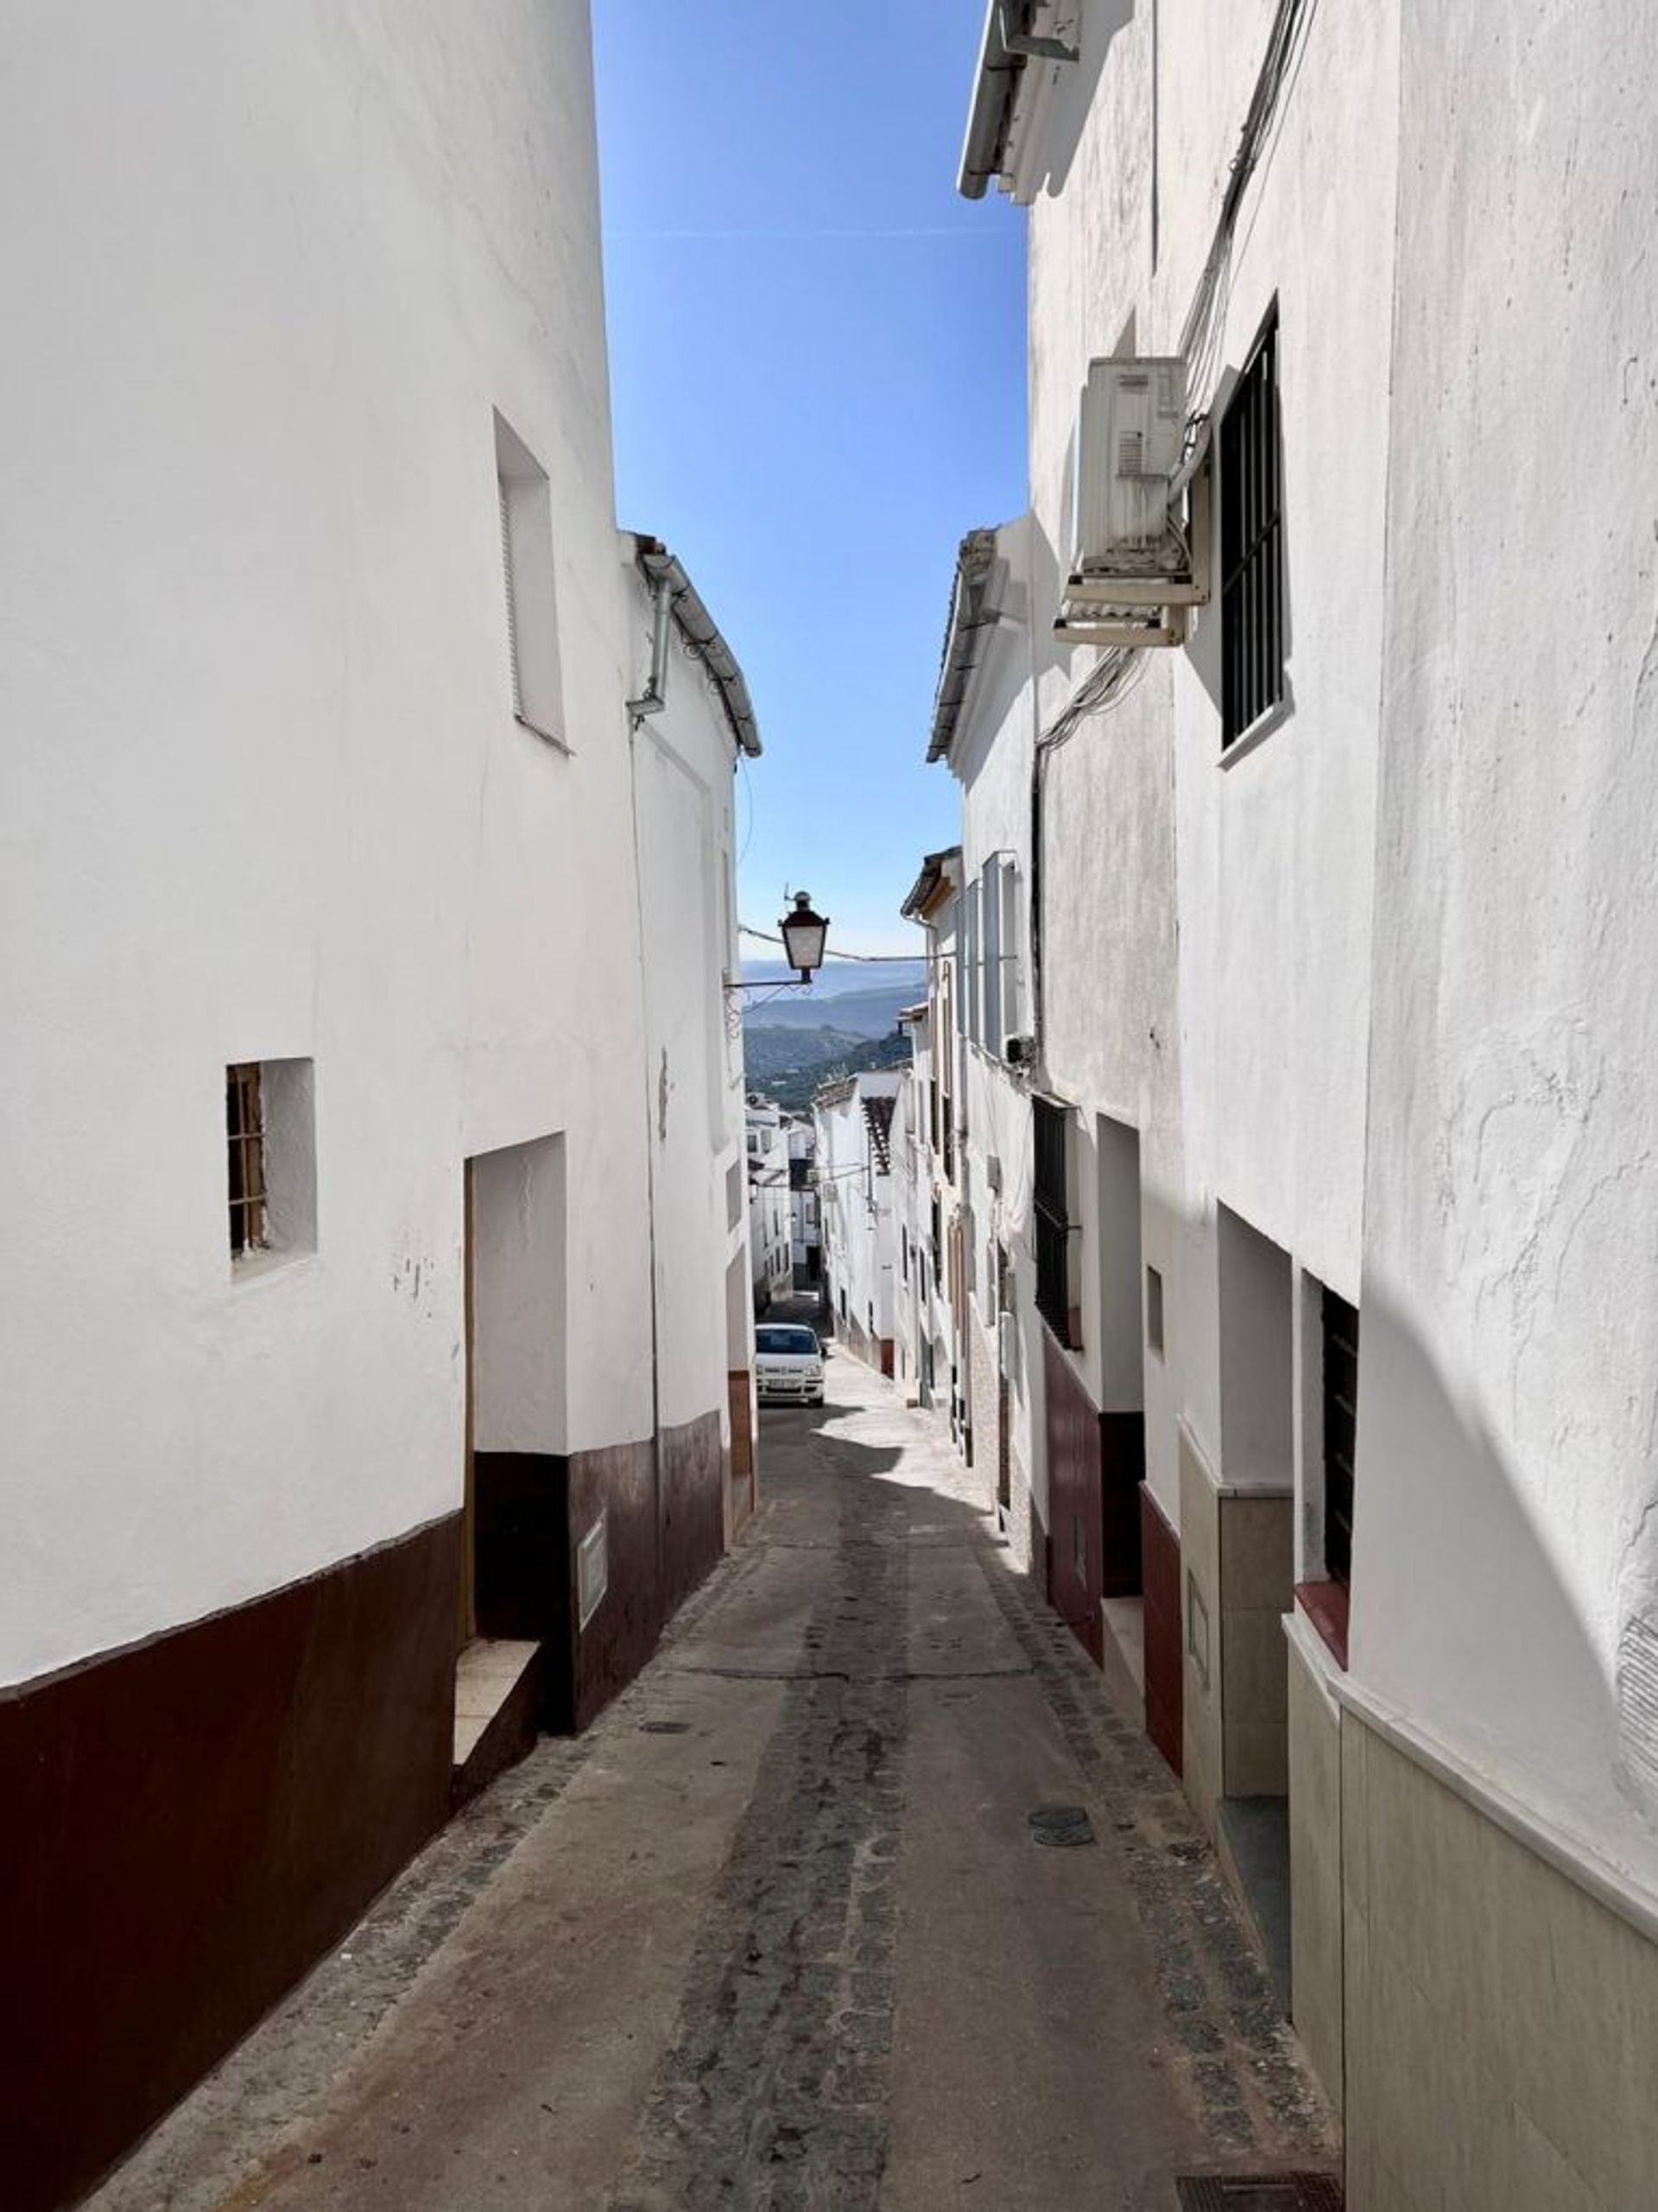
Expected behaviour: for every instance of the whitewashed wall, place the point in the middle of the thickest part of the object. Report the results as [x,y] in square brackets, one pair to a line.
[861,1206]
[691,1097]
[1236,1045]
[1507,1593]
[263,794]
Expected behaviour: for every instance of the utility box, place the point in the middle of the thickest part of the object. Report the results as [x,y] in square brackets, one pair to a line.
[1130,442]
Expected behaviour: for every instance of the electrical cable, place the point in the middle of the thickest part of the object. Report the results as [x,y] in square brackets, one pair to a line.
[874,960]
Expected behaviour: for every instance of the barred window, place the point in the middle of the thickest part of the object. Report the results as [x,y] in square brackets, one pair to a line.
[1251,544]
[1053,1218]
[1341,1433]
[244,1126]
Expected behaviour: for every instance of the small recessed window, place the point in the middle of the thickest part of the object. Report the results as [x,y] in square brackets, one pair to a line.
[270,1135]
[1340,1331]
[244,1124]
[1154,1311]
[528,587]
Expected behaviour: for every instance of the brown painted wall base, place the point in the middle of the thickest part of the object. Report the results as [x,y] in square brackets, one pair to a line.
[1161,1550]
[1095,1465]
[664,1534]
[739,1391]
[1073,1497]
[189,1824]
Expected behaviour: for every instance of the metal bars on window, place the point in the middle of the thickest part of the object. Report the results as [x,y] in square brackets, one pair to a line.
[1051,1206]
[1252,544]
[244,1128]
[1340,1432]
[511,590]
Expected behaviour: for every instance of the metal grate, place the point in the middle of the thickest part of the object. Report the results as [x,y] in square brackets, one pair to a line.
[1259,2193]
[1252,544]
[1340,1432]
[1051,1208]
[245,1130]
[512,597]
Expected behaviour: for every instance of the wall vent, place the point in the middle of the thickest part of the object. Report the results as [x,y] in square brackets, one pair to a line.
[1258,2193]
[592,1570]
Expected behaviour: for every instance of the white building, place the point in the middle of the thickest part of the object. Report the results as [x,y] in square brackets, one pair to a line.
[771,1216]
[1335,921]
[934,1239]
[858,1119]
[690,722]
[335,1101]
[804,1244]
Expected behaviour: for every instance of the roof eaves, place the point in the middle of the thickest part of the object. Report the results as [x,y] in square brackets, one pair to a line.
[975,561]
[703,640]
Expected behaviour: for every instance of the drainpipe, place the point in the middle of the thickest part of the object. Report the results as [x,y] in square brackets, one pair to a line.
[654,697]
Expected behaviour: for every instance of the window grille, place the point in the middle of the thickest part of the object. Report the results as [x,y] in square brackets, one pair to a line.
[511,589]
[1341,1433]
[244,1126]
[1252,544]
[1052,1216]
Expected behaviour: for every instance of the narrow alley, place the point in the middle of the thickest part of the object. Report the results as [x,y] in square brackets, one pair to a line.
[783,1928]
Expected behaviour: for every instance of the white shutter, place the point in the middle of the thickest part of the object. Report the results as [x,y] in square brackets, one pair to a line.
[994,1032]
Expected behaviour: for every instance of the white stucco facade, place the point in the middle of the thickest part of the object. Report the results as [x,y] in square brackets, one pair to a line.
[267,799]
[858,1124]
[770,1214]
[324,819]
[685,756]
[1342,1017]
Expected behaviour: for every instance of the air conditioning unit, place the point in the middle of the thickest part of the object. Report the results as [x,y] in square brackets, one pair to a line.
[1019,1051]
[1133,571]
[1130,439]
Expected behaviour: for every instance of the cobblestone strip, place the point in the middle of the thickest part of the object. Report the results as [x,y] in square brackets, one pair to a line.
[1234,2050]
[773,2094]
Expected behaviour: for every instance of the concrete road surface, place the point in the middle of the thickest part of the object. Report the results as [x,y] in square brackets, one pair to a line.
[777,1932]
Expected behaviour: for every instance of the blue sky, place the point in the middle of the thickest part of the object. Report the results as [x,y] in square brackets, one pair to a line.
[817,354]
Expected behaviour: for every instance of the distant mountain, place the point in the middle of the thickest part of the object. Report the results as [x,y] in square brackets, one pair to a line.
[837,979]
[872,1011]
[790,1063]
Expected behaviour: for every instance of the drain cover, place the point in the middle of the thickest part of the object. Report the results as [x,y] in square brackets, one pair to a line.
[1062,1827]
[664,1728]
[1259,2193]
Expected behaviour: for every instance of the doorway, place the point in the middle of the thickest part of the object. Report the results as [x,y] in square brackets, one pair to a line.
[512,1602]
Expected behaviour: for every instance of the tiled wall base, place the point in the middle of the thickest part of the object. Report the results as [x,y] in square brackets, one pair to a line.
[1315,1725]
[1500,2023]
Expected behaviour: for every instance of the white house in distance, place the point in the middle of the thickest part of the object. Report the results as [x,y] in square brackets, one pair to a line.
[337,1110]
[1329,817]
[933,1249]
[806,1252]
[770,1211]
[856,1123]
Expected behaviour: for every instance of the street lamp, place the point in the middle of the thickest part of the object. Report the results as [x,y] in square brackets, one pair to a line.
[803,933]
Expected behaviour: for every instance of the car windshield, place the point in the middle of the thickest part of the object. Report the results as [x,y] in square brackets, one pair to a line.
[784,1339]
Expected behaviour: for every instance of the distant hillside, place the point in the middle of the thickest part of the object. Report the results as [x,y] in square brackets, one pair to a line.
[788,1064]
[870,1011]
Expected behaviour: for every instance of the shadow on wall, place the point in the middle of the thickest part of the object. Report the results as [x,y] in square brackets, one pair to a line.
[1075,84]
[1461,1609]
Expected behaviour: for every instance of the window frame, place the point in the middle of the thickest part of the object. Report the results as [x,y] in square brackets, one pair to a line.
[1051,1214]
[1252,588]
[245,1134]
[1339,1328]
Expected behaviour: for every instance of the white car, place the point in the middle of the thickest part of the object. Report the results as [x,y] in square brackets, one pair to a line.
[788,1364]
